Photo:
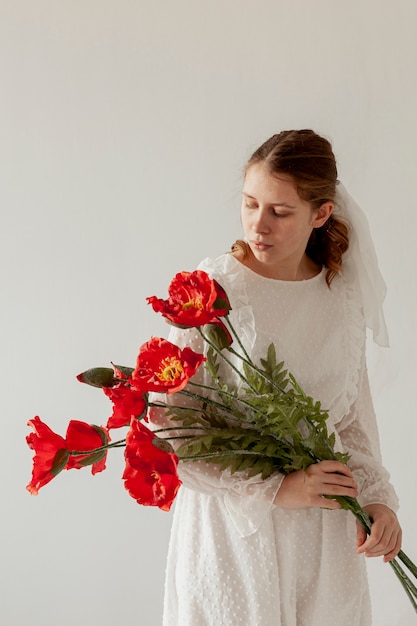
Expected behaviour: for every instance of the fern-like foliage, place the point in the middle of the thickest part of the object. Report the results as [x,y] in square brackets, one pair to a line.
[265,425]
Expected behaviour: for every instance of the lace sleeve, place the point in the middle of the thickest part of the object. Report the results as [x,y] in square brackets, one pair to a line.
[358,432]
[247,500]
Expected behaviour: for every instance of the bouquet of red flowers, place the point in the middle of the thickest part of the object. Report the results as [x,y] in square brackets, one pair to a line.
[263,424]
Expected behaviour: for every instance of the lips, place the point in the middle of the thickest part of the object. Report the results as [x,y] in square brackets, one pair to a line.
[259,245]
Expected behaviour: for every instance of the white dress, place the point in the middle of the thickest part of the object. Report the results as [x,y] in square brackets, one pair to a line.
[235,558]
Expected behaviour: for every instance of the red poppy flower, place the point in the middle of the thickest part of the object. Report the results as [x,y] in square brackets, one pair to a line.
[162,366]
[127,403]
[51,454]
[83,437]
[194,300]
[150,475]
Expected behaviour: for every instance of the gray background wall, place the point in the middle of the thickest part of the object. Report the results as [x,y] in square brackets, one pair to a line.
[124,127]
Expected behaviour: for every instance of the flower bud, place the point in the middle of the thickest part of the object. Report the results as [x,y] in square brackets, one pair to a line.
[98,377]
[218,335]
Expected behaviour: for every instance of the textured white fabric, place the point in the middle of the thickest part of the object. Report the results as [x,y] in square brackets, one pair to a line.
[360,264]
[235,558]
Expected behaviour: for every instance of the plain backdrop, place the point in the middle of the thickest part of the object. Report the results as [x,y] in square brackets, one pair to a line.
[124,128]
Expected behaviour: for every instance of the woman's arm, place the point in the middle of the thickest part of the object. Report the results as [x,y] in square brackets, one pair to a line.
[359,435]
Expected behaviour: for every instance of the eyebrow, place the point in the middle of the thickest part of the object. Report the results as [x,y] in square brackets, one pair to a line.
[282,204]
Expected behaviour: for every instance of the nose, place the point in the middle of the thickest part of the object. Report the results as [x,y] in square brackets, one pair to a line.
[261,223]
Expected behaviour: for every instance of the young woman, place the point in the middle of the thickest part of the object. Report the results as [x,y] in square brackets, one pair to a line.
[252,552]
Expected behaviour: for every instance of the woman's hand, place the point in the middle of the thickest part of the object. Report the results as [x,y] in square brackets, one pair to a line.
[305,489]
[386,534]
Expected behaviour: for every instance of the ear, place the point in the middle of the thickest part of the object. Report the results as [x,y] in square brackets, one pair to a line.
[322,214]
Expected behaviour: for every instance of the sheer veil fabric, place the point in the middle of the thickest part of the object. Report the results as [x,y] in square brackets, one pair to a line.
[360,264]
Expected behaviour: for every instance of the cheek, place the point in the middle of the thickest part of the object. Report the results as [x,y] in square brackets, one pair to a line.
[244,220]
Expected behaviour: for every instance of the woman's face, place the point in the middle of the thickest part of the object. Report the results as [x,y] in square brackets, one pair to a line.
[277,223]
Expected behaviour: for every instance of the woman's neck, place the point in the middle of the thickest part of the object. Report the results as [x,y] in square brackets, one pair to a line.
[303,270]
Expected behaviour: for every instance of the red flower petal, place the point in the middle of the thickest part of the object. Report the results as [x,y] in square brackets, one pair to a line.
[222,301]
[50,456]
[194,300]
[127,403]
[150,475]
[163,367]
[82,436]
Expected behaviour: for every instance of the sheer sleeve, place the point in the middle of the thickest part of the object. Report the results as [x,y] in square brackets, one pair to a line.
[247,500]
[358,432]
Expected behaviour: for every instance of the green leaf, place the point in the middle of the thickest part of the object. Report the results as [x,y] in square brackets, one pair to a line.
[59,462]
[92,458]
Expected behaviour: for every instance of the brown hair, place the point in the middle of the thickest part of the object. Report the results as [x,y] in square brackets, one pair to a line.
[308,158]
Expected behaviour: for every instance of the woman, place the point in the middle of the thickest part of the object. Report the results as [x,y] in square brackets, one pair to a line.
[275,552]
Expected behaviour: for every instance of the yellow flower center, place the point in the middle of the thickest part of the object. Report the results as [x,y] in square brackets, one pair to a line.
[194,303]
[171,369]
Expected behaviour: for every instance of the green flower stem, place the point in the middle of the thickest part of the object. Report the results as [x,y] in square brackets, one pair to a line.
[407,585]
[116,444]
[245,358]
[220,353]
[256,369]
[213,455]
[236,336]
[218,405]
[203,399]
[162,405]
[176,407]
[226,408]
[171,428]
[233,397]
[407,562]
[230,416]
[351,504]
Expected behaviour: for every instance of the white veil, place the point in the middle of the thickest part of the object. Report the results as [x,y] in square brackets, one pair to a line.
[360,264]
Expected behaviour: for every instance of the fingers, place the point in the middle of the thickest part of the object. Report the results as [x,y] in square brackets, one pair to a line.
[316,486]
[384,542]
[393,553]
[387,545]
[386,535]
[333,467]
[360,535]
[306,489]
[330,478]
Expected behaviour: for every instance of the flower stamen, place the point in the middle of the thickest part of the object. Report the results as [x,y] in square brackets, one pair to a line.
[194,303]
[171,369]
